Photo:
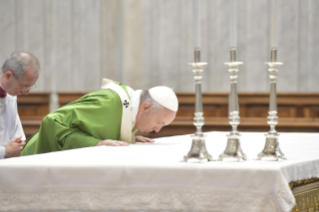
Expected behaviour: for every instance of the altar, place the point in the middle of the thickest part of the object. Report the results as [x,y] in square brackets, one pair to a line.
[151,177]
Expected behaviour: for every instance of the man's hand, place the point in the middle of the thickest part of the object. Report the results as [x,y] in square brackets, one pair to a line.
[13,149]
[109,142]
[143,139]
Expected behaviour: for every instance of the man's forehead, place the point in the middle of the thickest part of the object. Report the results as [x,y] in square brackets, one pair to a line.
[30,75]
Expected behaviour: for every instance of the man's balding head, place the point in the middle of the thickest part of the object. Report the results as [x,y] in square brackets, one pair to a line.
[19,73]
[19,62]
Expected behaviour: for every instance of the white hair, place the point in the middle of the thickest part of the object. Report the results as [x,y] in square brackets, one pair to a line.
[146,97]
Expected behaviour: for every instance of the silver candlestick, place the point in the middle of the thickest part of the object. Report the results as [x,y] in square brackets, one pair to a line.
[198,149]
[233,148]
[271,148]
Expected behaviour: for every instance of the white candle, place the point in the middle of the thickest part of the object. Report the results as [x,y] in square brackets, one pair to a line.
[196,23]
[274,24]
[233,24]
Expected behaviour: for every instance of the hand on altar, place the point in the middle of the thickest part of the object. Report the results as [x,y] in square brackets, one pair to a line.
[13,149]
[143,139]
[109,142]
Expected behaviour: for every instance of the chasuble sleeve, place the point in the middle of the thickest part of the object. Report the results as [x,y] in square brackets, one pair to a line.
[79,139]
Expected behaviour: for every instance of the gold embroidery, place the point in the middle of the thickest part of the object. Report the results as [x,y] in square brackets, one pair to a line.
[306,193]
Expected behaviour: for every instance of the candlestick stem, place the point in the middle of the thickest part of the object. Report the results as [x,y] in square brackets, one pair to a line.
[233,148]
[198,149]
[272,148]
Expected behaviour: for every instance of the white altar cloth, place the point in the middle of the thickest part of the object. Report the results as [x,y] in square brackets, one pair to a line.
[150,177]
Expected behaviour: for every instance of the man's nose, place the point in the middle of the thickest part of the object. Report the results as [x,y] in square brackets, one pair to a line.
[157,129]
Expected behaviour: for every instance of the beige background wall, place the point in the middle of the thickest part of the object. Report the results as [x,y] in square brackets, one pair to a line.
[149,42]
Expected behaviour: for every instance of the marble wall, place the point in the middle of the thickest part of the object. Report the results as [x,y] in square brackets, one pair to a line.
[145,43]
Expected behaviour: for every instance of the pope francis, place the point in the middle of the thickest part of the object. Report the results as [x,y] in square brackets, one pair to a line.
[109,116]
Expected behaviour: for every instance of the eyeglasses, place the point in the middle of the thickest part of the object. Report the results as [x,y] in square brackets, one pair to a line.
[29,88]
[24,88]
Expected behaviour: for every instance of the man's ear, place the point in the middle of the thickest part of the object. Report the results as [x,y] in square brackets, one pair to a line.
[8,75]
[145,106]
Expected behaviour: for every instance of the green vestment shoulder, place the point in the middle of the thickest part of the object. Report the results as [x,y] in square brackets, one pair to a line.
[94,117]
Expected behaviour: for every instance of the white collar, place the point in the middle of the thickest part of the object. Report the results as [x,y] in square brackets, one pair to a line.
[135,104]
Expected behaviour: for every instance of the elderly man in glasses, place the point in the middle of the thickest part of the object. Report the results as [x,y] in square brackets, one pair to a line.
[18,75]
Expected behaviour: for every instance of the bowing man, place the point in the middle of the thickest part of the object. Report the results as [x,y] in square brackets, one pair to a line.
[18,74]
[110,116]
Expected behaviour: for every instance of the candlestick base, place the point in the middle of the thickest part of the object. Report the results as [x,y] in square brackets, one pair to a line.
[198,150]
[233,149]
[272,148]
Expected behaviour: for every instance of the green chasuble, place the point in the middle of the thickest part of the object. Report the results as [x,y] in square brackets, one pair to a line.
[82,123]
